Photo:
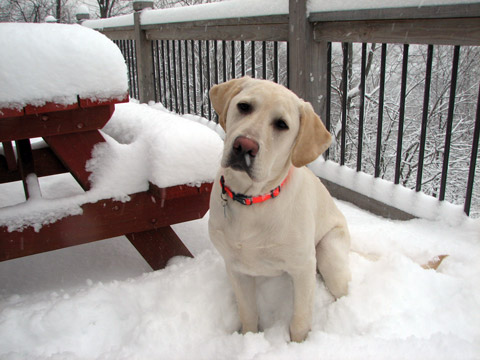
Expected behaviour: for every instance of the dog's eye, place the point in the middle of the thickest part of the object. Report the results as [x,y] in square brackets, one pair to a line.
[280,124]
[244,107]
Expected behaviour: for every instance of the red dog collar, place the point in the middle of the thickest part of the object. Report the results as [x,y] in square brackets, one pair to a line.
[250,200]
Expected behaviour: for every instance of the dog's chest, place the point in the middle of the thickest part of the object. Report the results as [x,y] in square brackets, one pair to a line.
[253,242]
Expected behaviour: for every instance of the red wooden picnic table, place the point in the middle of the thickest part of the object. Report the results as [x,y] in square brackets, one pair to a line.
[71,133]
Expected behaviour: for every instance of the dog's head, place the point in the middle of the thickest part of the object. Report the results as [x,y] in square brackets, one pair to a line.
[267,127]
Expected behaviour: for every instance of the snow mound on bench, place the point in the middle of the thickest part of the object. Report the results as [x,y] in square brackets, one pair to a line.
[144,143]
[58,63]
[157,146]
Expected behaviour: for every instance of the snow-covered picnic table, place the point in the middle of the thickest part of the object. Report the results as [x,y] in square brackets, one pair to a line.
[61,83]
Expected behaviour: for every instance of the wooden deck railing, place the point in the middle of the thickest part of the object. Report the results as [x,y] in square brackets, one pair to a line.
[398,87]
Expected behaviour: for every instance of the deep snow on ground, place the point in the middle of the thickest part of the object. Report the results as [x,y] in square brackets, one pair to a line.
[101,301]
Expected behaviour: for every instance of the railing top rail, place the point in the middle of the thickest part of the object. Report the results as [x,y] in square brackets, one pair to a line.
[368,10]
[244,12]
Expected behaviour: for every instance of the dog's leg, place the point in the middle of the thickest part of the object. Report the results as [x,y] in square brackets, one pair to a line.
[332,260]
[304,288]
[244,289]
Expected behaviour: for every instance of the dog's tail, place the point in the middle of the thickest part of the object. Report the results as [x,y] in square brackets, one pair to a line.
[432,264]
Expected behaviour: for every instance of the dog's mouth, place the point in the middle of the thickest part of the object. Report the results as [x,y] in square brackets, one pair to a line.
[241,163]
[242,155]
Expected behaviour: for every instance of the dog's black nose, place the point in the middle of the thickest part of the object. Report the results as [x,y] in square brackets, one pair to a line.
[243,145]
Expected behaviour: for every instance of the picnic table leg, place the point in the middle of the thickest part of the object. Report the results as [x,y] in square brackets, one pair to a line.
[9,156]
[158,246]
[25,163]
[74,150]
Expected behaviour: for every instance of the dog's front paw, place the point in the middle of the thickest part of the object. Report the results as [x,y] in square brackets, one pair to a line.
[246,328]
[299,332]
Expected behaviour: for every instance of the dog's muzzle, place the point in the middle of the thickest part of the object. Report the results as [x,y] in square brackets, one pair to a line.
[242,154]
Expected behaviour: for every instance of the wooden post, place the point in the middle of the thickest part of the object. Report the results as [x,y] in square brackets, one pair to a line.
[144,55]
[307,59]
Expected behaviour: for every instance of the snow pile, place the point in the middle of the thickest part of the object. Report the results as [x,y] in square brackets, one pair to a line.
[395,309]
[249,8]
[219,10]
[326,6]
[143,143]
[42,63]
[400,197]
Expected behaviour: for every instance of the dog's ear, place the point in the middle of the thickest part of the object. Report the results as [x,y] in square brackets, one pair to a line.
[220,96]
[312,139]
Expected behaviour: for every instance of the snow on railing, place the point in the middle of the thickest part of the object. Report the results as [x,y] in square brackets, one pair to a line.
[404,111]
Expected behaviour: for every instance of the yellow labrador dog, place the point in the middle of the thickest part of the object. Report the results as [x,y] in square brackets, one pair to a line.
[269,214]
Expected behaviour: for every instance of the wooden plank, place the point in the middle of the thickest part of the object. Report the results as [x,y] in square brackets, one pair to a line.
[145,72]
[256,32]
[307,59]
[55,123]
[434,31]
[49,107]
[25,162]
[46,164]
[101,220]
[74,150]
[413,12]
[120,33]
[4,113]
[85,103]
[10,159]
[178,191]
[158,246]
[364,202]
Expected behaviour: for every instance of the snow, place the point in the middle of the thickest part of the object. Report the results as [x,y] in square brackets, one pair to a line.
[83,10]
[99,301]
[220,10]
[143,144]
[400,197]
[326,6]
[42,63]
[247,8]
[210,11]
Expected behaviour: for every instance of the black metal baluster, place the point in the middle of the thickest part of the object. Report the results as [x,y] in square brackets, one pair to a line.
[242,54]
[448,135]
[194,78]
[162,53]
[208,79]
[381,99]
[175,84]
[401,118]
[362,107]
[169,76]
[264,59]
[187,75]
[344,103]
[180,69]
[224,59]
[252,44]
[275,61]
[328,93]
[473,159]
[423,131]
[200,71]
[233,59]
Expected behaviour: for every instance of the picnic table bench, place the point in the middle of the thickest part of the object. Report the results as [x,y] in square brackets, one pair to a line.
[71,130]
